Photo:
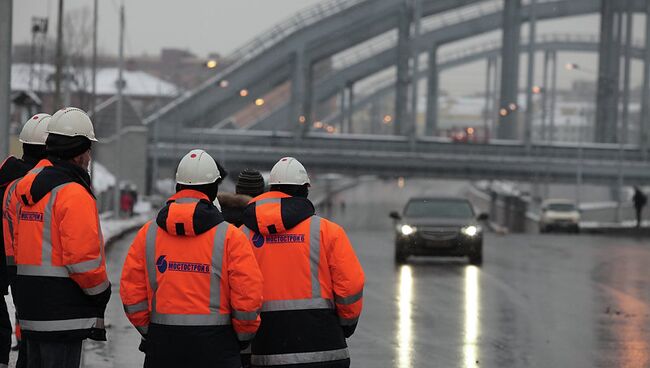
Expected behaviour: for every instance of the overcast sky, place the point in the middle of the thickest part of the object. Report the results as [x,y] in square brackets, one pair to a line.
[202,26]
[205,26]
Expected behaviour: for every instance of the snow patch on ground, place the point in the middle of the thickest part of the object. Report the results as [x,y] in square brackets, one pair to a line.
[102,178]
[112,228]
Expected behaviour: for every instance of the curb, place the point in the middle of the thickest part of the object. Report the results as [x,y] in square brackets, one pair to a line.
[122,232]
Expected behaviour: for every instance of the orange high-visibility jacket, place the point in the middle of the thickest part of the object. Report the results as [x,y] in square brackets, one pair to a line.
[10,207]
[10,170]
[190,268]
[61,287]
[313,283]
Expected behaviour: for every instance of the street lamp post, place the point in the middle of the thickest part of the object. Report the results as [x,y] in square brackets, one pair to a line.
[5,75]
[621,134]
[118,119]
[581,132]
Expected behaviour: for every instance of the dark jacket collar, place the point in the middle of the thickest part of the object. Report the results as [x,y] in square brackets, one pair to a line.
[61,172]
[188,213]
[276,212]
[13,168]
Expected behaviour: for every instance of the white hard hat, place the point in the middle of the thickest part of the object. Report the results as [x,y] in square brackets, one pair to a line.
[288,171]
[72,122]
[197,168]
[35,130]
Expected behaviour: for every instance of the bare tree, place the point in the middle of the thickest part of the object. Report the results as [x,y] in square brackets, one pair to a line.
[77,46]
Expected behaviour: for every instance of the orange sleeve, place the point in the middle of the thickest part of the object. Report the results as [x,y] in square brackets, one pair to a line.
[9,229]
[81,240]
[347,275]
[8,223]
[133,283]
[245,281]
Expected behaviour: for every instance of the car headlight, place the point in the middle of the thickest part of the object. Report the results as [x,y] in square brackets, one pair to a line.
[407,229]
[471,230]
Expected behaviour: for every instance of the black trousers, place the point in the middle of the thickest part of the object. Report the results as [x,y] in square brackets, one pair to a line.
[191,346]
[21,362]
[5,332]
[345,363]
[52,354]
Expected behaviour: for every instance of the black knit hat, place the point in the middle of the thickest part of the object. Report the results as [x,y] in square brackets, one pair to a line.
[65,147]
[250,182]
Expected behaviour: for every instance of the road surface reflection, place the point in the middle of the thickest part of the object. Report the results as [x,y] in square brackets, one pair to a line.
[472,326]
[405,323]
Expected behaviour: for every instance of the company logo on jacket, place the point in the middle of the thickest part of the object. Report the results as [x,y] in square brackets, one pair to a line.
[259,239]
[163,265]
[31,216]
[285,238]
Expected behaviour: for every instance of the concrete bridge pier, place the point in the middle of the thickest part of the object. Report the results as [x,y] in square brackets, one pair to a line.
[346,107]
[530,80]
[545,92]
[401,126]
[496,97]
[491,86]
[301,93]
[645,97]
[342,109]
[608,73]
[551,122]
[349,126]
[431,126]
[627,56]
[375,117]
[508,109]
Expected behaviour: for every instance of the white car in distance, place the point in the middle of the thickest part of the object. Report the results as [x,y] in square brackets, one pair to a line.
[559,214]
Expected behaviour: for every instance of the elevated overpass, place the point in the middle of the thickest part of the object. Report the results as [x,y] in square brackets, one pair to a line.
[320,34]
[394,156]
[362,39]
[486,50]
[288,52]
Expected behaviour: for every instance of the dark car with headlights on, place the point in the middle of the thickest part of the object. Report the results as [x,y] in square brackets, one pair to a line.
[438,226]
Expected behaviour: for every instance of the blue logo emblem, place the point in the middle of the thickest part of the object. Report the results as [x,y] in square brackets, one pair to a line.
[161,264]
[258,240]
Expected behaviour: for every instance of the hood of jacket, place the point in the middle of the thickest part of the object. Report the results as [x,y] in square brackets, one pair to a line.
[13,168]
[32,188]
[188,213]
[276,212]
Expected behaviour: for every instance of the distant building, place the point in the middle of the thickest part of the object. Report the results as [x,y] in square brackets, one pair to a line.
[33,89]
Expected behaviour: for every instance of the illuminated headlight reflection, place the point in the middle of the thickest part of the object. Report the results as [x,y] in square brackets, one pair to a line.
[405,323]
[471,230]
[472,324]
[407,229]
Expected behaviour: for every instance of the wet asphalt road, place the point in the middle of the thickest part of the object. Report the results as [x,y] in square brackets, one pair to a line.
[538,301]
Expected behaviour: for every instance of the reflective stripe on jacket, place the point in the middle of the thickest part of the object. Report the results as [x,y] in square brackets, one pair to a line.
[10,207]
[313,282]
[61,285]
[10,170]
[189,268]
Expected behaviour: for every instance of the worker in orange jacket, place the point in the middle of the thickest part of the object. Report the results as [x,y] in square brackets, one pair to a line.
[32,137]
[61,286]
[190,283]
[313,281]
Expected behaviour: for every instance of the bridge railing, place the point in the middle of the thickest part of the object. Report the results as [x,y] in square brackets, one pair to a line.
[397,145]
[268,39]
